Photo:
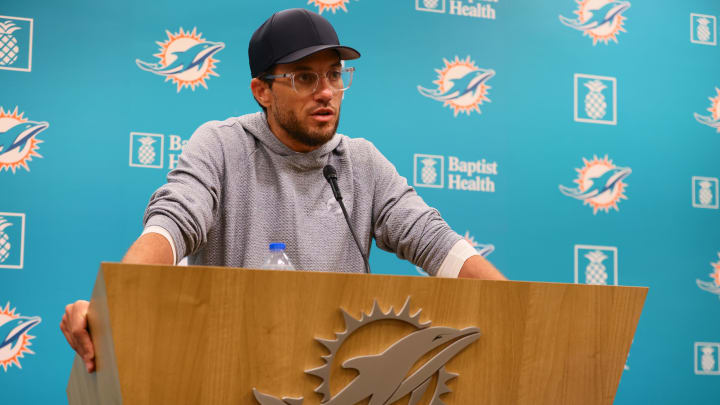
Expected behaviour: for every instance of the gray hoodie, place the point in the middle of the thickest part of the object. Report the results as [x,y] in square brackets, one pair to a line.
[237,188]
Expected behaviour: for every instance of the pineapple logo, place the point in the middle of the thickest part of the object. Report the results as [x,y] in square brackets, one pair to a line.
[428,168]
[12,240]
[146,153]
[18,142]
[596,271]
[15,43]
[707,358]
[712,286]
[703,29]
[14,338]
[332,5]
[461,85]
[145,149]
[713,120]
[705,192]
[9,48]
[429,173]
[185,58]
[601,20]
[595,107]
[599,184]
[4,240]
[435,6]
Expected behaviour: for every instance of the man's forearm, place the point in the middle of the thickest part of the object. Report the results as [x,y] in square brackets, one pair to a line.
[150,248]
[478,267]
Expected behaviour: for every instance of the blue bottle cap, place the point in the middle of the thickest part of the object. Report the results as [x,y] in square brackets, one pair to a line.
[277,246]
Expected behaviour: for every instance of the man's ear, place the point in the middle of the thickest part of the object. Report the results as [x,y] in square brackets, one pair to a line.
[261,92]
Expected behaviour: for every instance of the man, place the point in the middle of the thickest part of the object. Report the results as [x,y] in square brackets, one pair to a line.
[255,179]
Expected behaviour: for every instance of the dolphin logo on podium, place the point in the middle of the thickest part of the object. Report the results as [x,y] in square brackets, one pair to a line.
[383,377]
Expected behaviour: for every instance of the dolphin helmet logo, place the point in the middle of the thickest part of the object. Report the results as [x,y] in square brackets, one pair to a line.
[332,5]
[713,120]
[712,286]
[14,338]
[601,20]
[383,378]
[460,85]
[599,184]
[185,58]
[18,142]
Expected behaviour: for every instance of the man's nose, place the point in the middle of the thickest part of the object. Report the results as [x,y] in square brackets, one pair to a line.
[324,91]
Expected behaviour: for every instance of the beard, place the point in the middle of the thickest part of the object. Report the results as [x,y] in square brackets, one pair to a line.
[312,137]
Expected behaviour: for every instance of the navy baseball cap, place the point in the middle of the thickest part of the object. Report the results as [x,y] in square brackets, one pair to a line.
[290,35]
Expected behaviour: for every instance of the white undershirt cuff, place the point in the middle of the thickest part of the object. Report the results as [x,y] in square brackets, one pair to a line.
[162,231]
[461,251]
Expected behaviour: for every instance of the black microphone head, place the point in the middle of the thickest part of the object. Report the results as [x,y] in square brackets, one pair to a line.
[329,172]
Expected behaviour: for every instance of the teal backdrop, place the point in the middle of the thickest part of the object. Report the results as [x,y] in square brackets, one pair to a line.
[570,141]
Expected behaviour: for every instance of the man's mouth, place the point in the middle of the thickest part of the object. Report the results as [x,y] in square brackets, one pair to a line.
[323,114]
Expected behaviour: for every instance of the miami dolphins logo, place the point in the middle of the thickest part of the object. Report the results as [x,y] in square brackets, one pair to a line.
[18,142]
[600,184]
[14,338]
[601,20]
[332,5]
[185,58]
[384,377]
[461,86]
[714,119]
[714,285]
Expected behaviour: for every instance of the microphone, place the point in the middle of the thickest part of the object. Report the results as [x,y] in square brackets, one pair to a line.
[331,176]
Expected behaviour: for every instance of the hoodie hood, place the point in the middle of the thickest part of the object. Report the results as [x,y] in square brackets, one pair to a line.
[257,126]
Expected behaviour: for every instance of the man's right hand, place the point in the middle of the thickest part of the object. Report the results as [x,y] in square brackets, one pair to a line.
[74,326]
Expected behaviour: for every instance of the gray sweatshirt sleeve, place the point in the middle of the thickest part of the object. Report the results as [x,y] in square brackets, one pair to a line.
[403,223]
[186,205]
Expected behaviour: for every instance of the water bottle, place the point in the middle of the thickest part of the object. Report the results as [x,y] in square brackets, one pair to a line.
[277,260]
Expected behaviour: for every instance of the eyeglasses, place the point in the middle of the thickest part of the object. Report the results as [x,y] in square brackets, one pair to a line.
[307,82]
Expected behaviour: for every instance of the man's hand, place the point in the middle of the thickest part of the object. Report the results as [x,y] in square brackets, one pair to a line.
[75,328]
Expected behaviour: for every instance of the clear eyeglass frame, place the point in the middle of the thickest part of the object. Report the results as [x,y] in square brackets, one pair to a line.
[309,87]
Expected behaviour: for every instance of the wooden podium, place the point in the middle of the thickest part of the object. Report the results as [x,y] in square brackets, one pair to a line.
[208,335]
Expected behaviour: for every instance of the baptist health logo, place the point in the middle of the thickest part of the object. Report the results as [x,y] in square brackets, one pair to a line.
[14,337]
[601,20]
[712,286]
[186,58]
[596,265]
[705,192]
[18,140]
[461,85]
[599,184]
[467,8]
[595,99]
[429,171]
[703,29]
[12,240]
[148,150]
[16,38]
[707,358]
[712,120]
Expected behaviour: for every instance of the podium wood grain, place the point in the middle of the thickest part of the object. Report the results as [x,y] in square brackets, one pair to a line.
[208,335]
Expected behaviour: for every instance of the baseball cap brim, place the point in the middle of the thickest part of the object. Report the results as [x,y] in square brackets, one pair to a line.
[345,53]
